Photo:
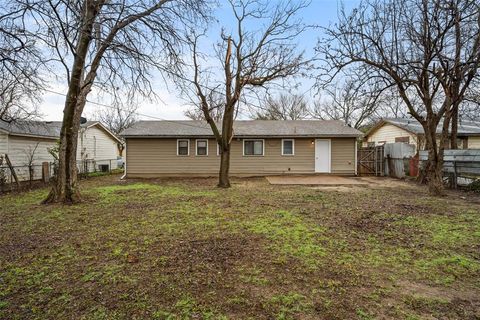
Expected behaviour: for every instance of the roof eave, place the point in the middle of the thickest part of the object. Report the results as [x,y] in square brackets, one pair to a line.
[246,136]
[26,135]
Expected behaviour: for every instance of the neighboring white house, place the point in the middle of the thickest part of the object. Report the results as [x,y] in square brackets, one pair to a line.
[409,131]
[23,140]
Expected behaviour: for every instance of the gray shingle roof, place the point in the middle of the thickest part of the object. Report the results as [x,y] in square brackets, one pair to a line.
[243,128]
[465,128]
[47,129]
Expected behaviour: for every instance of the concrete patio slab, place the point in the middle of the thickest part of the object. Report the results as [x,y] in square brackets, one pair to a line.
[316,180]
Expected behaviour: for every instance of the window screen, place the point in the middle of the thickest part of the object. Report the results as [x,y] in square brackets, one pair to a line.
[287,147]
[201,147]
[183,147]
[253,147]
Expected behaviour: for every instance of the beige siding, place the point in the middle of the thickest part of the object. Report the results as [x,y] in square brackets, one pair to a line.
[94,143]
[388,133]
[343,156]
[473,142]
[157,157]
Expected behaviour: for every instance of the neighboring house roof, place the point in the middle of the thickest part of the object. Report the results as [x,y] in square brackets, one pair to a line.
[243,128]
[465,128]
[44,129]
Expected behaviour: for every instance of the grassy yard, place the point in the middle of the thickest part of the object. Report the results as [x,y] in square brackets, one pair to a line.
[183,249]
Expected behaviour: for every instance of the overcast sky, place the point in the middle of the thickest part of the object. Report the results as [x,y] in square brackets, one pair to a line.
[171,106]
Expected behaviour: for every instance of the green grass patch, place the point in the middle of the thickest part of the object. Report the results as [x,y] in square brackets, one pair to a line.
[290,236]
[288,306]
[188,308]
[253,276]
[448,231]
[418,302]
[446,269]
[363,315]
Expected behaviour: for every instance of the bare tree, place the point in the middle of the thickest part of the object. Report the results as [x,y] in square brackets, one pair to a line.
[20,62]
[104,45]
[428,50]
[215,102]
[117,118]
[250,60]
[283,107]
[30,153]
[352,101]
[392,105]
[19,98]
[469,109]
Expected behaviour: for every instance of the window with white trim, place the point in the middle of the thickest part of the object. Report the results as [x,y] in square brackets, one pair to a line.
[288,147]
[253,147]
[183,147]
[201,147]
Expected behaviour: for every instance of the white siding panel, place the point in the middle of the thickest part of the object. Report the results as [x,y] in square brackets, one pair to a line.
[388,133]
[19,150]
[97,145]
[3,143]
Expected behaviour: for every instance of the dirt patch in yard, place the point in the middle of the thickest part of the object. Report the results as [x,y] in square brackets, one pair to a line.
[207,261]
[435,292]
[454,303]
[387,182]
[315,180]
[339,188]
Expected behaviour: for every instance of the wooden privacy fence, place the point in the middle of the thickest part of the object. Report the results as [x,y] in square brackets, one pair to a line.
[370,161]
[462,166]
[396,160]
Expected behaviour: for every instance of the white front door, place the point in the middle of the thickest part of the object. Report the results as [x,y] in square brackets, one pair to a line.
[322,155]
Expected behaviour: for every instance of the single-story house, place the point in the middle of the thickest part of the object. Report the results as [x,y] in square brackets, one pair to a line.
[410,131]
[259,147]
[21,140]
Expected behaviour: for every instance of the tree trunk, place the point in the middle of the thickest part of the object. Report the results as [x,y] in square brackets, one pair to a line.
[432,174]
[226,140]
[454,131]
[64,187]
[223,177]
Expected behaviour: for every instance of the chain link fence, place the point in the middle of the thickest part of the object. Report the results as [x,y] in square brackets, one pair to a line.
[40,174]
